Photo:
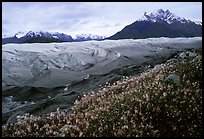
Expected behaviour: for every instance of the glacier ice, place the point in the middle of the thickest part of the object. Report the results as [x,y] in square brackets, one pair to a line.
[32,63]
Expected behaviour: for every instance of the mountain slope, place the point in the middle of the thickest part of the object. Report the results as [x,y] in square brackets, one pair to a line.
[10,40]
[42,40]
[159,24]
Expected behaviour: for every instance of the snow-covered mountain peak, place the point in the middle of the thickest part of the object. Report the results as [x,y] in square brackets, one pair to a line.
[38,34]
[58,34]
[17,35]
[198,22]
[88,36]
[20,34]
[161,15]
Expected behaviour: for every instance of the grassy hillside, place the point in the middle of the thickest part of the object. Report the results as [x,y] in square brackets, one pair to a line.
[139,106]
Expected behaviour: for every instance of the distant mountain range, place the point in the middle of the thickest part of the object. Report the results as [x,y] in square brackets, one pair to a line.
[46,37]
[160,24]
[85,37]
[157,24]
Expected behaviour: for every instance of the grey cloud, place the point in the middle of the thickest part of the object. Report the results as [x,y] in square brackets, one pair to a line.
[84,22]
[117,24]
[103,25]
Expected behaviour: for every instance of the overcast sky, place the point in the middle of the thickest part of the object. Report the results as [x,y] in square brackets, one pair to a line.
[100,18]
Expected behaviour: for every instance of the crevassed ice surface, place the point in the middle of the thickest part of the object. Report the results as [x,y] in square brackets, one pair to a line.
[33,63]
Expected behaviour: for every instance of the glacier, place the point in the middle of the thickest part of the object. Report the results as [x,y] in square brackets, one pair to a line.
[30,64]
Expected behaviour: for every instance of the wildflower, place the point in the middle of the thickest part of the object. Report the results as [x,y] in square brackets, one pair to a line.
[164,94]
[125,127]
[81,134]
[52,114]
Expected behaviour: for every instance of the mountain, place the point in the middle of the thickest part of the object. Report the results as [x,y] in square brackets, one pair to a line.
[37,37]
[41,37]
[46,37]
[160,24]
[86,37]
[62,37]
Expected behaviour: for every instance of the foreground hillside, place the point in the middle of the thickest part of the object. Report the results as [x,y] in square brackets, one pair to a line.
[146,105]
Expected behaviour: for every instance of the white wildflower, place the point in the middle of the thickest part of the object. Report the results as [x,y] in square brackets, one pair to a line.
[164,94]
